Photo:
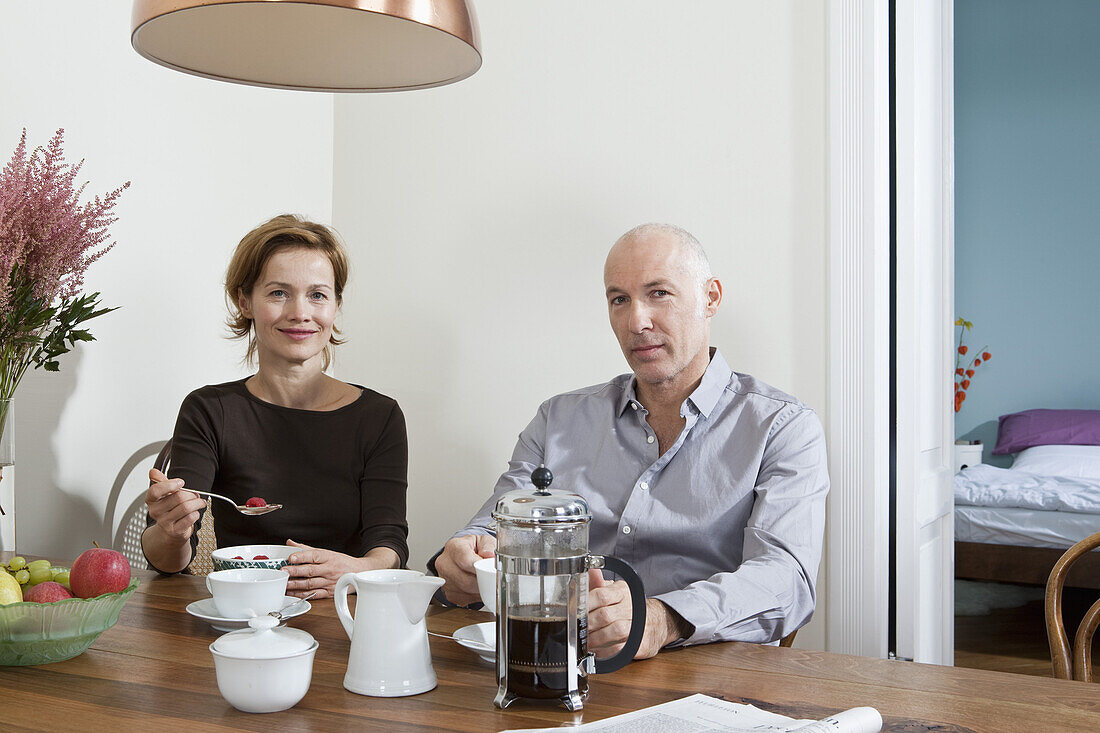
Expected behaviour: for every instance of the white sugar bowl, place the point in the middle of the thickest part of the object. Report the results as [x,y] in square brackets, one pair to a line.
[264,669]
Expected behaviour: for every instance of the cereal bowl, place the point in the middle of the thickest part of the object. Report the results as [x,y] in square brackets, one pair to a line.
[244,556]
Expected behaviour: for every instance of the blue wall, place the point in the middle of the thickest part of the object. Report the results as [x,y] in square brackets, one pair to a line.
[1027,205]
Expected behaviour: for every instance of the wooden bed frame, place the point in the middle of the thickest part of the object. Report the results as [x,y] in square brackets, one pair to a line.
[1025,565]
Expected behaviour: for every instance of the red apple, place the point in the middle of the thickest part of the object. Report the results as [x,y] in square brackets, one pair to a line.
[47,592]
[99,571]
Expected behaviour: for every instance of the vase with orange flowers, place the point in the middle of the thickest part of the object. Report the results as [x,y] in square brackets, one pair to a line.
[965,365]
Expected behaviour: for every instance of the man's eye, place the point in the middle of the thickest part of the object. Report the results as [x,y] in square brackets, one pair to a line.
[618,300]
[660,293]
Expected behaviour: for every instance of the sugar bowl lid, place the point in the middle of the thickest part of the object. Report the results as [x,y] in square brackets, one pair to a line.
[262,640]
[543,505]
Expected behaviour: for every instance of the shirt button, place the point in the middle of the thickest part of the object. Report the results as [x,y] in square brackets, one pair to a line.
[643,486]
[626,529]
[650,439]
[634,405]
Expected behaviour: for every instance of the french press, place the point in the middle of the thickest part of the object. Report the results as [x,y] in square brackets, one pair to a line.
[542,563]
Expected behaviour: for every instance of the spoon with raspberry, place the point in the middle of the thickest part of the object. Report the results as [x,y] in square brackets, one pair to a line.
[253,507]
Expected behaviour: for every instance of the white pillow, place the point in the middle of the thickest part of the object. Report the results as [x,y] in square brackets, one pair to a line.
[1075,461]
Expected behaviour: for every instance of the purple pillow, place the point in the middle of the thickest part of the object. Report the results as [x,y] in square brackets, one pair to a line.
[1047,427]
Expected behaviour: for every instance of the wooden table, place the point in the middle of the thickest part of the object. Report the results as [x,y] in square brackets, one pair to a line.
[153,671]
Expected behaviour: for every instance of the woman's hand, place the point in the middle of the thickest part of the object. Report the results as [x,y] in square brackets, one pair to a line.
[312,569]
[174,510]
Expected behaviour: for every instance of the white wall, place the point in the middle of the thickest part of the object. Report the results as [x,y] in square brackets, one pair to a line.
[207,161]
[479,215]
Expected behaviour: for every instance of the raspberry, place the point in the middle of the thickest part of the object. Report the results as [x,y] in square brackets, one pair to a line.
[255,501]
[986,355]
[962,349]
[966,384]
[261,557]
[970,372]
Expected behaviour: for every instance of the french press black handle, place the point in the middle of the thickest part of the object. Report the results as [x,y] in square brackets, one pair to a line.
[637,614]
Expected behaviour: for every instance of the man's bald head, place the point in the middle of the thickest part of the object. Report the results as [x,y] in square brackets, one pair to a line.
[660,299]
[690,255]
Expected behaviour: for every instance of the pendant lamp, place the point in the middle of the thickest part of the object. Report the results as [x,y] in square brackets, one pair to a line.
[315,45]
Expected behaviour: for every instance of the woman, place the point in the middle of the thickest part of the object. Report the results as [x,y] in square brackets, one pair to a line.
[333,454]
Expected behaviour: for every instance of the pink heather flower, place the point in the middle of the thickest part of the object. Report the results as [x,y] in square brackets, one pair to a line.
[48,238]
[44,229]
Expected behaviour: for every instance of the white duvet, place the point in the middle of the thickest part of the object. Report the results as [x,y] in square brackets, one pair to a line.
[984,485]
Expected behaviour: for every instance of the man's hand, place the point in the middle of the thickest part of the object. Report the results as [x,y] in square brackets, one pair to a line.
[313,569]
[609,616]
[456,566]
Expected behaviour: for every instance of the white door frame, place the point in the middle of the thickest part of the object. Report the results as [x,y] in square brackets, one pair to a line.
[858,255]
[858,388]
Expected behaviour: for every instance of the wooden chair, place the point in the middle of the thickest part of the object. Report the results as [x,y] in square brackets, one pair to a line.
[1056,630]
[201,564]
[788,639]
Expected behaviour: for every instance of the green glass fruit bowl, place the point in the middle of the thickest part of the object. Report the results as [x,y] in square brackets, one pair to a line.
[40,633]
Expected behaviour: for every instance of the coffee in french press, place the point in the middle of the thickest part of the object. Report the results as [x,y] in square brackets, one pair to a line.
[542,596]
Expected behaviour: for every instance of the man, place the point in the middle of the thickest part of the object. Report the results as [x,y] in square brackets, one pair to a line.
[710,483]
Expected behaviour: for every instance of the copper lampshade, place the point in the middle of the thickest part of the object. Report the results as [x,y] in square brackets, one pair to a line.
[318,45]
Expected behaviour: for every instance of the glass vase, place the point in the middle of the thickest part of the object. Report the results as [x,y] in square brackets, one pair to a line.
[7,432]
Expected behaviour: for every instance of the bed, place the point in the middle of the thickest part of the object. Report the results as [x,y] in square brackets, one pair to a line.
[1012,525]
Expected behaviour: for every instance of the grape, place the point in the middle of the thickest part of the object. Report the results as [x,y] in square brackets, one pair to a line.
[38,574]
[22,576]
[62,577]
[17,563]
[38,564]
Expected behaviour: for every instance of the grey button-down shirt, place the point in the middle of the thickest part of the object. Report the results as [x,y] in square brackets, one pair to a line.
[725,527]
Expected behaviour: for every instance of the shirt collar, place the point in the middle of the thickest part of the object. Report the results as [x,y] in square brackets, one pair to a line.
[715,380]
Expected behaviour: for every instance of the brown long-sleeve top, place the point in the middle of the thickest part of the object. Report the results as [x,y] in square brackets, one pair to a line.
[341,475]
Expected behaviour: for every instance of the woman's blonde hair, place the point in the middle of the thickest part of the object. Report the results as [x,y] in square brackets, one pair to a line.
[257,247]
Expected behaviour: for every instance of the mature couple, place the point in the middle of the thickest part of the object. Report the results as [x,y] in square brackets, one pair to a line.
[710,483]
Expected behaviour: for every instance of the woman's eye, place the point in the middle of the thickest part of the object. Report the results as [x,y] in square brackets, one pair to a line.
[318,296]
[279,293]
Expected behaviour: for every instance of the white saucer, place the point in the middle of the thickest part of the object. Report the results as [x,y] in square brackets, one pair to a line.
[208,612]
[485,633]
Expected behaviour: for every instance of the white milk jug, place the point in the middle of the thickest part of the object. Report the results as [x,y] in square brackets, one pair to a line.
[389,639]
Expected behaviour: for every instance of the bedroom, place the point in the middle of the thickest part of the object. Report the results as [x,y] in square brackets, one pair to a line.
[1026,101]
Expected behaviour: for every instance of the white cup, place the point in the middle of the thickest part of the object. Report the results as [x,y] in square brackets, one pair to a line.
[247,592]
[486,569]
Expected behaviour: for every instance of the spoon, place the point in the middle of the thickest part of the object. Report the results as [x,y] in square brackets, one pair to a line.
[249,510]
[469,642]
[280,614]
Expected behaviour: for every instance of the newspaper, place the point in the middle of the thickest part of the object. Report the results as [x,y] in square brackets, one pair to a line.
[705,714]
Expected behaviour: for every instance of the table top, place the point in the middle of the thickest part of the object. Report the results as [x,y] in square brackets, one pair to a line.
[154,670]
